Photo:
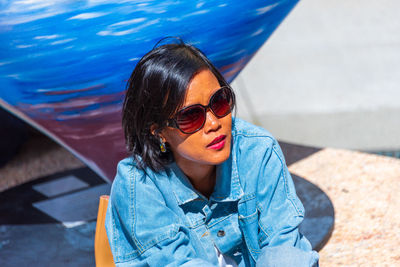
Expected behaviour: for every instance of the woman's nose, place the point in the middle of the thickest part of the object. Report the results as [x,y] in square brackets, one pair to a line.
[212,122]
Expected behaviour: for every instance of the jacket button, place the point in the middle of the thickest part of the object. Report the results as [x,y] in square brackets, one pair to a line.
[221,233]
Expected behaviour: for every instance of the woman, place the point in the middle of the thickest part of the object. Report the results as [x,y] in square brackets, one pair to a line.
[201,188]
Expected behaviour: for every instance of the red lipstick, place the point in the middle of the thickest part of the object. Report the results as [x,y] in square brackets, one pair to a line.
[218,143]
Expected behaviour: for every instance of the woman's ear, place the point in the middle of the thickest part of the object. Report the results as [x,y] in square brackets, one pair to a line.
[153,129]
[157,132]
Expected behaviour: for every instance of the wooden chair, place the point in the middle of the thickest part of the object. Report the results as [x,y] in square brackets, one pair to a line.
[102,250]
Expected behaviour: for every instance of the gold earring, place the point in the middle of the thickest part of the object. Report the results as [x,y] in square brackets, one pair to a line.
[163,148]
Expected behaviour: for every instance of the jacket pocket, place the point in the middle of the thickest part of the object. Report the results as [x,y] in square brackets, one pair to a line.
[248,222]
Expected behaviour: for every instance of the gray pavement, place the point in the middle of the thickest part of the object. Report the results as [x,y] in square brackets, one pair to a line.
[329,76]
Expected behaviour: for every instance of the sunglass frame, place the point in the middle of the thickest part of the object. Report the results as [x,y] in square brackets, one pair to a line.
[173,123]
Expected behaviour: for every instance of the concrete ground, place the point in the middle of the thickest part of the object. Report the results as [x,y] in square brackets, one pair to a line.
[329,76]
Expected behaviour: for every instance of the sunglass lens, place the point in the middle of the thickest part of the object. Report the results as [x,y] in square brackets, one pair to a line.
[191,119]
[221,102]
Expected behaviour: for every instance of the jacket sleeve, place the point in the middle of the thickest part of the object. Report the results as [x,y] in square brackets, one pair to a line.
[280,213]
[141,229]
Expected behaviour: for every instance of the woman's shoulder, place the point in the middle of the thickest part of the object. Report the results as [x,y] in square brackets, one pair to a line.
[132,180]
[252,133]
[128,169]
[136,190]
[248,137]
[126,172]
[138,216]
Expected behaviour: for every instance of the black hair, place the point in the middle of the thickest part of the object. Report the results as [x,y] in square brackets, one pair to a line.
[156,90]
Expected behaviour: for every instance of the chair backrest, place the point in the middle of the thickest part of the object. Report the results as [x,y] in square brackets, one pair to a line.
[102,250]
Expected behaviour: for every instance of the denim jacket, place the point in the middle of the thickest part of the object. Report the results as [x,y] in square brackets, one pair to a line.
[159,219]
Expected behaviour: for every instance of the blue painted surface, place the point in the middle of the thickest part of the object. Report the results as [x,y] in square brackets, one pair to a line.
[64,64]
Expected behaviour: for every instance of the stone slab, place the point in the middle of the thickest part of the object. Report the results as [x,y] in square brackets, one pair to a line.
[75,207]
[60,186]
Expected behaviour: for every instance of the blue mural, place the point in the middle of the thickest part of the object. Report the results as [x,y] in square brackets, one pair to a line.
[64,64]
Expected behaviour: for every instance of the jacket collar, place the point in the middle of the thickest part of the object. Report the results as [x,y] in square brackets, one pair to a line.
[227,187]
[181,186]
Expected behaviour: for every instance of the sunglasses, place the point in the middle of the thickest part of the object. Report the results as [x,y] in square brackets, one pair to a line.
[192,118]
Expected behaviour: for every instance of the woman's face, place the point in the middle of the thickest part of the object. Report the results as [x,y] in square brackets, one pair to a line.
[211,144]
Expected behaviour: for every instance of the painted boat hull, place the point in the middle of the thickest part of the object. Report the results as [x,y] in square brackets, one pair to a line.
[64,64]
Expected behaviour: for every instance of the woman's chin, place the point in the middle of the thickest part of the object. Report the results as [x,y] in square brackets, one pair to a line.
[217,157]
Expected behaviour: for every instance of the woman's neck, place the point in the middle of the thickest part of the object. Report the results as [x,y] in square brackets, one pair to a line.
[201,176]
